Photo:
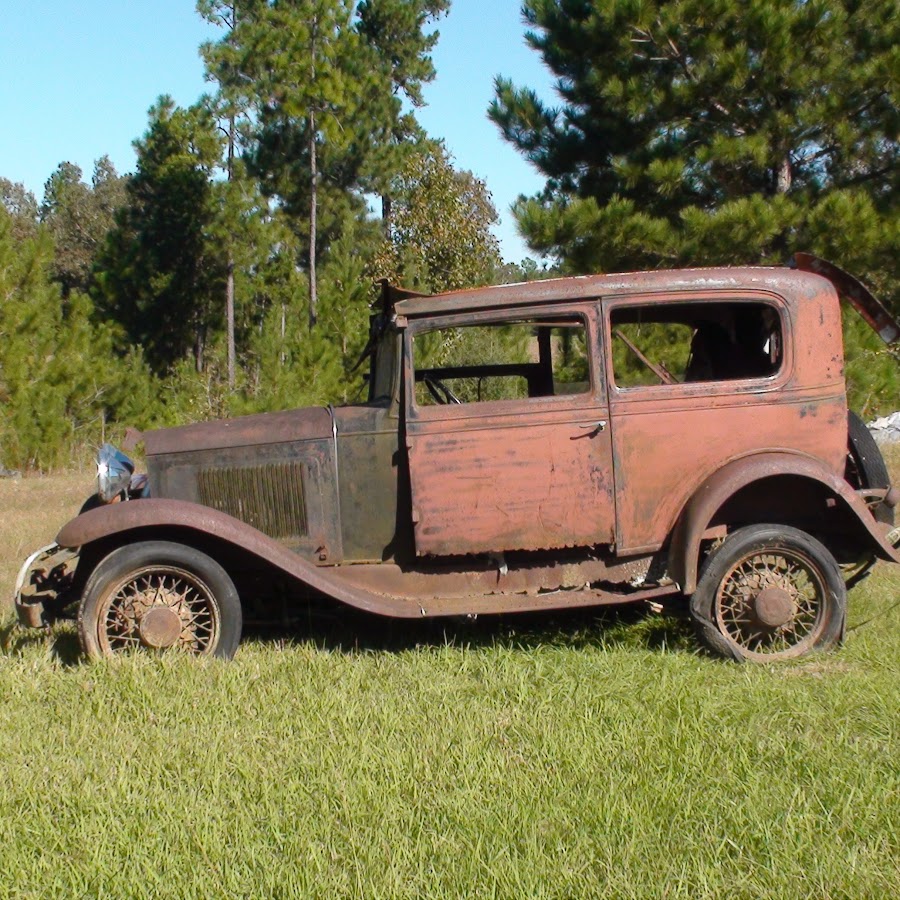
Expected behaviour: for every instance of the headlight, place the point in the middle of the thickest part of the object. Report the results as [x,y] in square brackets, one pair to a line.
[114,471]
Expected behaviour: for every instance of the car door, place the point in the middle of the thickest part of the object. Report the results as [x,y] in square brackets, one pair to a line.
[507,432]
[698,379]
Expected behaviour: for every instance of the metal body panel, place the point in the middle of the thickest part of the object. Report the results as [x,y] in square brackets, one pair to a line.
[245,431]
[122,518]
[778,280]
[369,483]
[283,458]
[522,574]
[534,476]
[349,462]
[698,439]
[856,293]
[684,553]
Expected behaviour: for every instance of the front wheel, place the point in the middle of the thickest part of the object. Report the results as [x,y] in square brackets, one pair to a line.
[769,592]
[157,595]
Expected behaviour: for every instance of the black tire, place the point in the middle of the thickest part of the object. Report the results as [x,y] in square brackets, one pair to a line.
[194,606]
[865,464]
[92,502]
[769,592]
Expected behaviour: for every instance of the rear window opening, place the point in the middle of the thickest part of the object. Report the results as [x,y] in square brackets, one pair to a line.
[704,341]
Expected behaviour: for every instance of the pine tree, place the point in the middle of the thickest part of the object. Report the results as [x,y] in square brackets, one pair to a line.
[60,381]
[347,296]
[22,207]
[323,83]
[161,270]
[712,131]
[238,196]
[286,59]
[398,42]
[79,217]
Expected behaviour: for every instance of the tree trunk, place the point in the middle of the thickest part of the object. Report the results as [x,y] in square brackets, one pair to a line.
[313,201]
[229,281]
[314,187]
[229,315]
[785,176]
[387,212]
[199,347]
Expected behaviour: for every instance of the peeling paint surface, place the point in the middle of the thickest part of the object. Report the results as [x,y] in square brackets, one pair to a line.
[535,476]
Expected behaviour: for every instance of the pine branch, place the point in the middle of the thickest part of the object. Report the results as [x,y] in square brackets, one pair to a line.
[677,56]
[871,175]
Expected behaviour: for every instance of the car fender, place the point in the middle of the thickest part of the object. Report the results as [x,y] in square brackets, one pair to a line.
[120,519]
[684,552]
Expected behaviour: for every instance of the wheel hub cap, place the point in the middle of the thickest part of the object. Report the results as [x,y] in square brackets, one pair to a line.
[774,607]
[160,627]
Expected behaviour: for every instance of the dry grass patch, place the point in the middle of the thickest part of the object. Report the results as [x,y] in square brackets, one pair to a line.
[32,509]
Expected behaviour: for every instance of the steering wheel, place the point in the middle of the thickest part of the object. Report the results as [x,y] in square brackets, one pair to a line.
[439,391]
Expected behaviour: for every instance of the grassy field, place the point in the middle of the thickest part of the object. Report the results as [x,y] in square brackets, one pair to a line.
[578,756]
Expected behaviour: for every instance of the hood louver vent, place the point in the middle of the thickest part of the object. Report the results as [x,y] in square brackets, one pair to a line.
[268,497]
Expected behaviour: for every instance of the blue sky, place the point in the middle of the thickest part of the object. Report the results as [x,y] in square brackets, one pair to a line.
[79,78]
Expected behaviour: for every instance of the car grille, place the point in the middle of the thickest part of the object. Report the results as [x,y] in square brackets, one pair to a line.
[268,497]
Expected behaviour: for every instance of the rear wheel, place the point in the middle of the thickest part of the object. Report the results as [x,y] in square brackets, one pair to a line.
[769,592]
[157,595]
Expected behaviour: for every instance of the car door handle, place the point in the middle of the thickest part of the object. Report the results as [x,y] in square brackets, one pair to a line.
[595,426]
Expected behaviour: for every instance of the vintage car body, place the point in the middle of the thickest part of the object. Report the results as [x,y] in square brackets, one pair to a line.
[564,474]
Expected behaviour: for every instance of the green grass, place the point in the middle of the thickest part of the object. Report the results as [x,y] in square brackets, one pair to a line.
[576,756]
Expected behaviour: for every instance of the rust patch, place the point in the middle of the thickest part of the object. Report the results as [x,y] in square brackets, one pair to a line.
[529,478]
[856,293]
[471,577]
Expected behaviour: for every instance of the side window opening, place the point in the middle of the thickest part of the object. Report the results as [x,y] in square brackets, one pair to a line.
[685,343]
[511,360]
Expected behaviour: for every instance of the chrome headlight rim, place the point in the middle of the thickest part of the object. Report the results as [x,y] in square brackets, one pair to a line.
[114,471]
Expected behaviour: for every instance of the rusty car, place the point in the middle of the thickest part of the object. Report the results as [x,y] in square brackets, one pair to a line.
[573,442]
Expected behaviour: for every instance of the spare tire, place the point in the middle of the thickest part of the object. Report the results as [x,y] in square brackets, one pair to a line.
[865,464]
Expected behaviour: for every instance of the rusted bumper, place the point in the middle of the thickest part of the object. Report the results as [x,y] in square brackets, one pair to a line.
[45,576]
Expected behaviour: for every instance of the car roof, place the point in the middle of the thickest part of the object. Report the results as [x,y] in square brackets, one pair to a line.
[779,279]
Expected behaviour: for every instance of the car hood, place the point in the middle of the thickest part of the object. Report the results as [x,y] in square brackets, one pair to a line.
[313,423]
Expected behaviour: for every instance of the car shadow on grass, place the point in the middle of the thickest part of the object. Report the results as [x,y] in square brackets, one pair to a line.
[345,630]
[633,626]
[59,641]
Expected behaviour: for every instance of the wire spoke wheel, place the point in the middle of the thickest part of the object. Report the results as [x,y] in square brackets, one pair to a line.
[158,595]
[771,603]
[769,592]
[159,608]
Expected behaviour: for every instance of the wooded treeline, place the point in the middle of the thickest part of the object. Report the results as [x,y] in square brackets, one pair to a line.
[232,271]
